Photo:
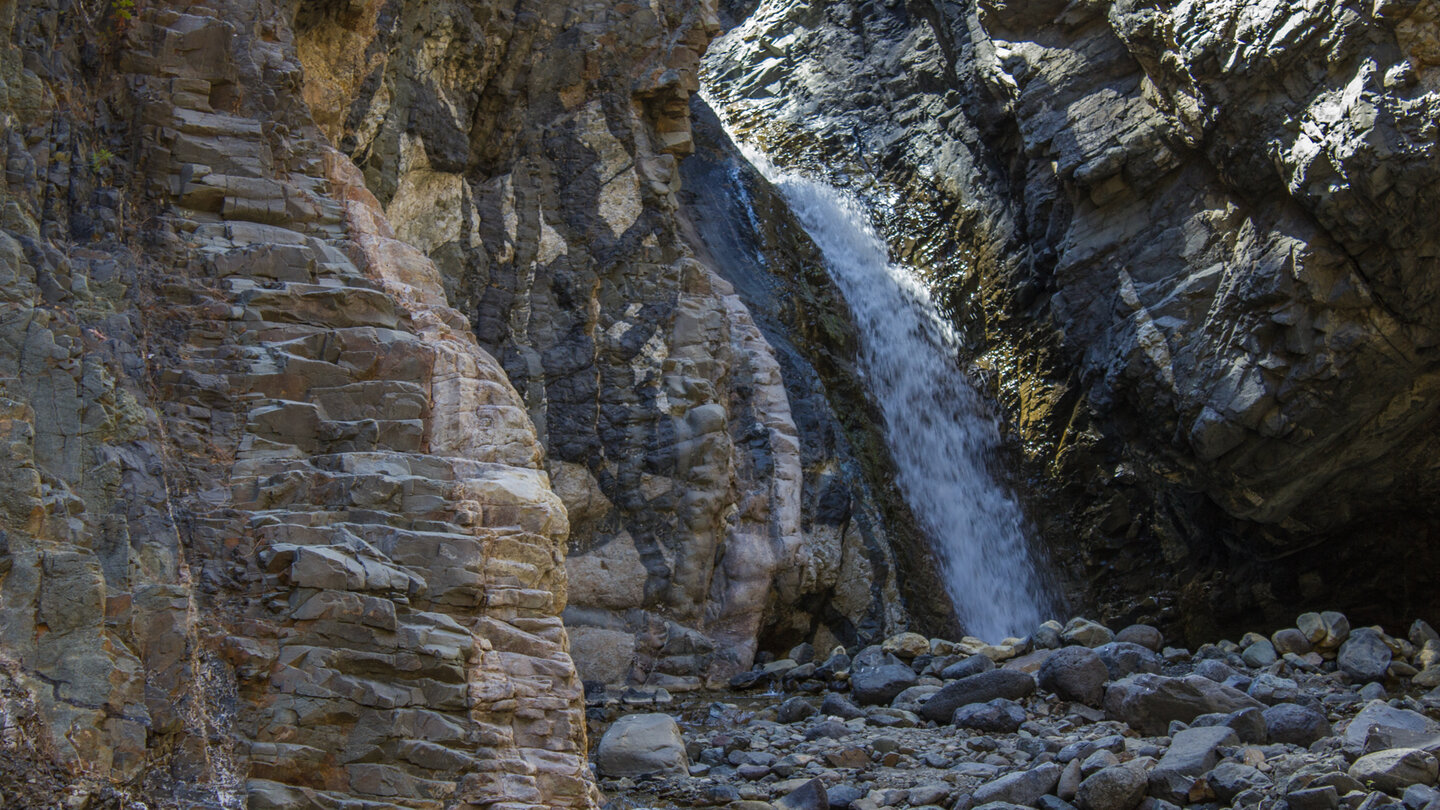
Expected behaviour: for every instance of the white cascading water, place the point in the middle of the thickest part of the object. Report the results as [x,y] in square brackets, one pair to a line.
[938,428]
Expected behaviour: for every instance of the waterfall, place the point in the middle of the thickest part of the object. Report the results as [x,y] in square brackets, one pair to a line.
[939,430]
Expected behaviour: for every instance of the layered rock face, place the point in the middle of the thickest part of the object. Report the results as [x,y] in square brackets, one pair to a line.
[1190,245]
[276,528]
[279,528]
[532,154]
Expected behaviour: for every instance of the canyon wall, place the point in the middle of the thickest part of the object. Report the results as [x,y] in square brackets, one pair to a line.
[533,154]
[1189,244]
[277,531]
[348,347]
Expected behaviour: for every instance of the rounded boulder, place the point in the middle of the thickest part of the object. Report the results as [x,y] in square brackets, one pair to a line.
[642,745]
[1076,674]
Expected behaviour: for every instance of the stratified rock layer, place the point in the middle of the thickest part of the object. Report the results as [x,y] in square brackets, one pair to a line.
[533,154]
[276,529]
[1192,246]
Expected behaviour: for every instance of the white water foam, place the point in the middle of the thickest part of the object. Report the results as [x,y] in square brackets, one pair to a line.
[939,430]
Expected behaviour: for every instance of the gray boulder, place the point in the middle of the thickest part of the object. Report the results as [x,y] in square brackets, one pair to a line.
[1364,656]
[1379,722]
[974,665]
[1217,671]
[1086,633]
[1248,724]
[935,793]
[1048,802]
[1142,634]
[1116,788]
[880,684]
[1291,640]
[1325,797]
[794,710]
[809,796]
[1125,658]
[1260,654]
[841,796]
[913,698]
[1295,724]
[1022,787]
[1076,674]
[1272,689]
[1148,703]
[642,745]
[1000,683]
[1230,779]
[998,716]
[1194,751]
[1396,769]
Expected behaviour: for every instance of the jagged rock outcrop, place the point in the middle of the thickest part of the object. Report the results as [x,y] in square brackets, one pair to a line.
[1190,244]
[533,155]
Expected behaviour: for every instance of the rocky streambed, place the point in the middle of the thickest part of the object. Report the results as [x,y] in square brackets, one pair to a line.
[1319,716]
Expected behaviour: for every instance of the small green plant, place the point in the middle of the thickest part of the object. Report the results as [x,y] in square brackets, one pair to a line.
[122,14]
[101,159]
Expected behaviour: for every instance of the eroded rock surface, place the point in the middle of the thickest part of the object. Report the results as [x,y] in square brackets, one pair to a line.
[277,532]
[1190,244]
[329,329]
[533,155]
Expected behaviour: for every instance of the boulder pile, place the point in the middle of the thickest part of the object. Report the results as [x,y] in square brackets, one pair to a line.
[1319,716]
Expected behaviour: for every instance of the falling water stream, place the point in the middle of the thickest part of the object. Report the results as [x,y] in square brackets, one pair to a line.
[939,430]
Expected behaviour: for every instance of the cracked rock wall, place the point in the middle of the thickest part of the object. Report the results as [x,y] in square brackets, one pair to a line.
[277,531]
[348,346]
[1191,245]
[532,152]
